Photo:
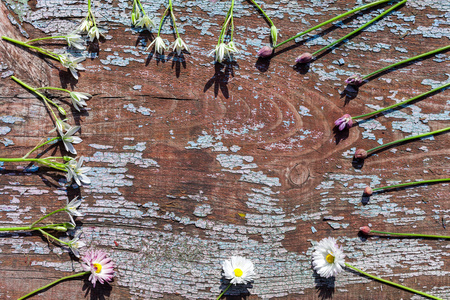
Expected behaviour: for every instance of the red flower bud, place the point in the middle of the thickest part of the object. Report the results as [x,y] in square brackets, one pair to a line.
[360,154]
[265,51]
[368,191]
[365,229]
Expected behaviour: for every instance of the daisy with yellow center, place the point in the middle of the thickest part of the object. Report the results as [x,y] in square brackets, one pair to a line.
[100,266]
[238,270]
[328,258]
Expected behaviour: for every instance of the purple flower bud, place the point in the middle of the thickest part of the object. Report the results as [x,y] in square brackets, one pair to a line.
[344,121]
[354,80]
[368,191]
[265,51]
[304,58]
[365,229]
[360,154]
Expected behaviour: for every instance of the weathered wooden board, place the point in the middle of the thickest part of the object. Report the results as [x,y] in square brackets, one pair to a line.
[194,162]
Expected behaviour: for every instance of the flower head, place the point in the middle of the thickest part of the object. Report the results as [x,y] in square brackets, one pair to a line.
[220,51]
[71,63]
[344,121]
[232,47]
[160,46]
[265,51]
[71,209]
[304,58]
[365,229]
[94,33]
[75,244]
[178,46]
[84,26]
[368,191]
[75,172]
[75,40]
[328,258]
[68,139]
[100,266]
[145,22]
[61,126]
[78,99]
[273,34]
[360,154]
[354,80]
[239,270]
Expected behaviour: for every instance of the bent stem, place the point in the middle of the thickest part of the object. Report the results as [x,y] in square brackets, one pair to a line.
[406,61]
[53,283]
[41,145]
[332,20]
[229,20]
[411,183]
[411,234]
[46,38]
[402,103]
[224,291]
[360,28]
[53,237]
[48,215]
[40,50]
[392,283]
[173,19]
[48,161]
[408,138]
[263,12]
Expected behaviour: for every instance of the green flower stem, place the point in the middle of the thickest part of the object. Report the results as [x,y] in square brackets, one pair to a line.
[332,20]
[162,20]
[411,183]
[360,28]
[392,283]
[229,19]
[53,237]
[406,61]
[408,138]
[53,283]
[43,144]
[173,18]
[31,228]
[43,161]
[142,8]
[411,234]
[263,12]
[46,38]
[224,291]
[48,215]
[402,103]
[43,51]
[52,88]
[90,14]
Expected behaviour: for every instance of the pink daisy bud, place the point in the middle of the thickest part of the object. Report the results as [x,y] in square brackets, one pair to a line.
[354,80]
[368,191]
[365,229]
[344,121]
[360,154]
[304,58]
[265,51]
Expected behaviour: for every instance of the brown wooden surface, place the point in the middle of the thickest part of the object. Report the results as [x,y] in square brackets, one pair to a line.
[250,143]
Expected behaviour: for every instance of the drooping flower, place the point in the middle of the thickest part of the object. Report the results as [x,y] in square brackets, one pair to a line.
[78,99]
[178,46]
[265,51]
[220,51]
[273,34]
[361,154]
[68,139]
[238,270]
[61,126]
[354,80]
[94,33]
[344,121]
[160,46]
[304,58]
[75,172]
[75,40]
[84,26]
[145,22]
[76,244]
[328,258]
[71,209]
[231,46]
[71,63]
[100,266]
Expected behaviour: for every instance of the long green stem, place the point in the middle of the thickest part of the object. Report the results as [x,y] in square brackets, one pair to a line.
[411,234]
[142,8]
[332,20]
[360,28]
[406,61]
[263,12]
[52,88]
[43,161]
[43,51]
[53,237]
[173,18]
[402,103]
[408,138]
[46,38]
[162,20]
[39,146]
[31,228]
[48,215]
[229,19]
[53,283]
[224,291]
[392,283]
[90,14]
[411,183]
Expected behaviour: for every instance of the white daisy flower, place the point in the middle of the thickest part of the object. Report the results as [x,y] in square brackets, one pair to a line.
[178,46]
[145,22]
[75,40]
[160,46]
[78,99]
[328,258]
[75,244]
[75,172]
[71,209]
[238,270]
[71,63]
[68,139]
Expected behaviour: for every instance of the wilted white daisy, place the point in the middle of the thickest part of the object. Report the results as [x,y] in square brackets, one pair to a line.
[160,46]
[75,40]
[71,209]
[76,244]
[100,266]
[71,63]
[145,22]
[220,51]
[328,258]
[68,139]
[178,46]
[238,270]
[75,172]
[78,99]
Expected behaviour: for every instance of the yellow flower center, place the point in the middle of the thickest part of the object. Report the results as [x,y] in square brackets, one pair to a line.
[98,267]
[238,272]
[329,258]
